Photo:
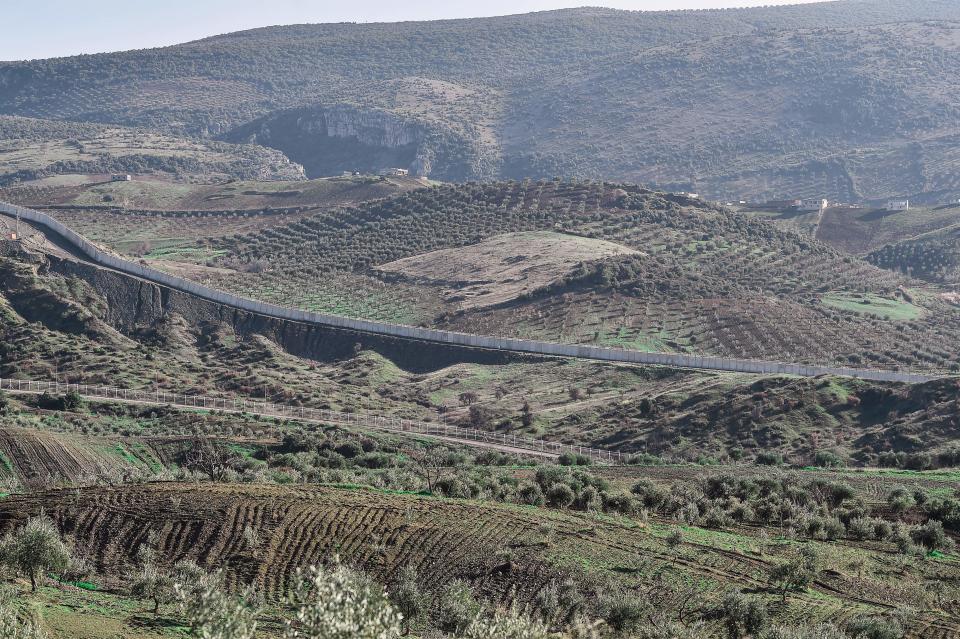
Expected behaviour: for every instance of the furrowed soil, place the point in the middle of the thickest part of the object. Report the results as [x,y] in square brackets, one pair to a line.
[446,539]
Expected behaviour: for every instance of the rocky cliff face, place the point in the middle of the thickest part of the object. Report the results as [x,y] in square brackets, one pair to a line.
[373,128]
[329,139]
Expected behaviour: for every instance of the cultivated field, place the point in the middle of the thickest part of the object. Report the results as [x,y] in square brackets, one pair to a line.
[688,277]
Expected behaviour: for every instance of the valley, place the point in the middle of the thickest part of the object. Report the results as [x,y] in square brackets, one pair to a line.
[518,327]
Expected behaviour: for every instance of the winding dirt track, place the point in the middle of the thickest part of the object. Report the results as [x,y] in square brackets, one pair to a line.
[357,421]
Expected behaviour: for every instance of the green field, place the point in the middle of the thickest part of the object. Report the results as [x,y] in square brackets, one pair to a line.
[891,309]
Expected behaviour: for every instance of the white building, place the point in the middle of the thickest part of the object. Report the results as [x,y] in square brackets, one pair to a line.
[813,204]
[898,205]
[394,172]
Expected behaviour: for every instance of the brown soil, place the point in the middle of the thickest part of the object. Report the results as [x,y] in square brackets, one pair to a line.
[504,267]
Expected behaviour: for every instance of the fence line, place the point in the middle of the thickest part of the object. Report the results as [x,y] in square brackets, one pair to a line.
[450,337]
[391,424]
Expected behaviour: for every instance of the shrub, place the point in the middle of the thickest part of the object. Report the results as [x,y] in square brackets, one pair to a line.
[864,627]
[13,625]
[797,573]
[861,528]
[530,494]
[931,536]
[210,612]
[573,459]
[623,612]
[819,631]
[620,503]
[650,495]
[901,538]
[560,495]
[768,458]
[743,616]
[899,499]
[826,459]
[881,529]
[715,518]
[349,450]
[588,499]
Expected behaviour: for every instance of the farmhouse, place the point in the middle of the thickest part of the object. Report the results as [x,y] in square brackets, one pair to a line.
[898,205]
[121,178]
[811,204]
[394,172]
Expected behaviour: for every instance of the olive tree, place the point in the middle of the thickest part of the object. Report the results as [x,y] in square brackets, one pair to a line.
[409,598]
[152,581]
[797,573]
[339,603]
[505,625]
[34,549]
[210,611]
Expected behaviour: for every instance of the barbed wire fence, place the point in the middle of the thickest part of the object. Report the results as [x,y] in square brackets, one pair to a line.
[386,423]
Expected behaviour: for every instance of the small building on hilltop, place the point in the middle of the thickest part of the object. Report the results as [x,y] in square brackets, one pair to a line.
[121,178]
[394,172]
[812,204]
[898,205]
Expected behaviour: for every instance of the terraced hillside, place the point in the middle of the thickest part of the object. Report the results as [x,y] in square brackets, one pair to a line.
[921,242]
[675,274]
[584,92]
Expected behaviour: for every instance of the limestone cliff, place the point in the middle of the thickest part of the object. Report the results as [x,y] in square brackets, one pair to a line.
[329,139]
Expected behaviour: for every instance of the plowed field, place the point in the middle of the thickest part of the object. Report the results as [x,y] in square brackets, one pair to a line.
[446,539]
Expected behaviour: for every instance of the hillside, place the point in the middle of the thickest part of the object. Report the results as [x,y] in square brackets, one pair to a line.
[86,326]
[32,150]
[707,505]
[922,242]
[825,99]
[679,275]
[509,554]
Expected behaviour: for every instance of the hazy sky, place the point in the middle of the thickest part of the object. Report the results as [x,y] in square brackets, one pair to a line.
[48,28]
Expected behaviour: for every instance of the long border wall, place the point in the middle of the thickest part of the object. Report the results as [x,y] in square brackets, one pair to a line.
[449,337]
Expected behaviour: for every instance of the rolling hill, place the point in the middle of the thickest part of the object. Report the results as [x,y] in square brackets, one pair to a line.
[849,99]
[589,262]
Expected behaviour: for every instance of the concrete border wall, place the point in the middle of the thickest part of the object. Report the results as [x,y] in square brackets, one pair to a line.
[449,337]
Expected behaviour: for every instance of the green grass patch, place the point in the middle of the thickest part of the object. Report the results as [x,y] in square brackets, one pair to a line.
[6,464]
[891,309]
[244,451]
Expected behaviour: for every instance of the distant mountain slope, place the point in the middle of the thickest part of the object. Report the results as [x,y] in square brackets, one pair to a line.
[32,149]
[848,99]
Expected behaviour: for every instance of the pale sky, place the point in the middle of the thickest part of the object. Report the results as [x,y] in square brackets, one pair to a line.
[48,28]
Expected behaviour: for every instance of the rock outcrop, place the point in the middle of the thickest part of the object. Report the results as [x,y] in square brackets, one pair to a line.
[329,139]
